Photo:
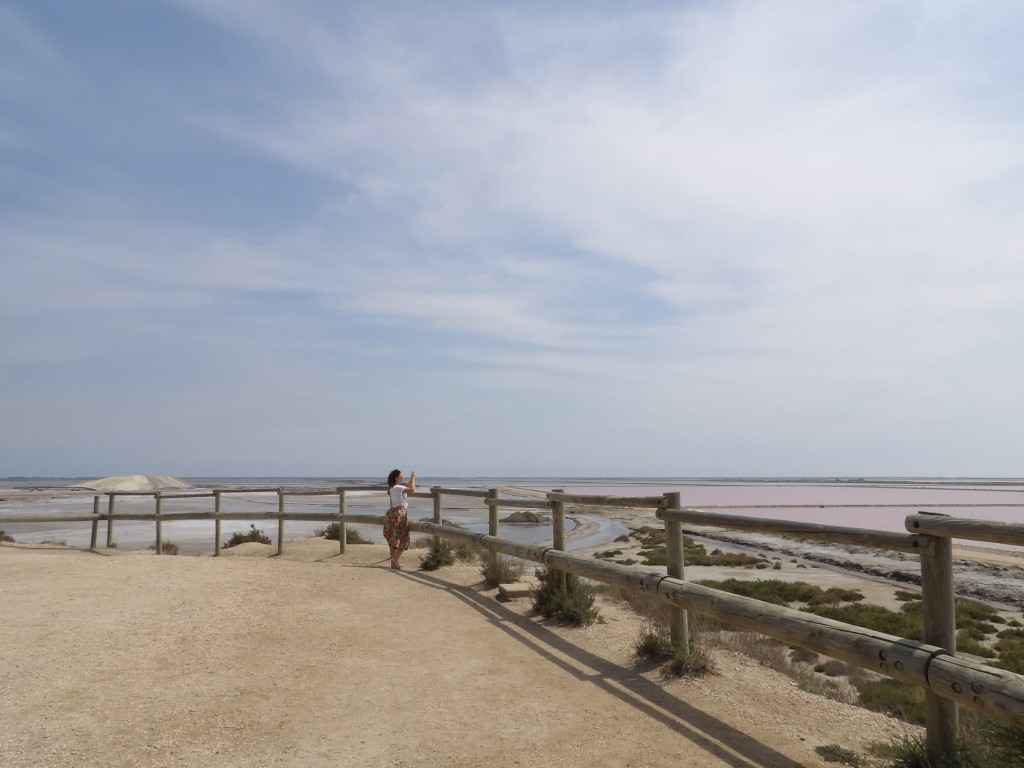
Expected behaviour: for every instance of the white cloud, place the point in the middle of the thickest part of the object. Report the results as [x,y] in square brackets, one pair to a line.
[793,218]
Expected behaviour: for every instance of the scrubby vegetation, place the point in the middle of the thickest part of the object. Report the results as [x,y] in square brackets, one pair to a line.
[333,533]
[501,569]
[5,537]
[439,553]
[166,547]
[253,534]
[833,753]
[983,743]
[652,542]
[570,601]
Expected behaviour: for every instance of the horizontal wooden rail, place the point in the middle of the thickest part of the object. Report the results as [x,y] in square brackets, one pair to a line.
[607,501]
[459,492]
[997,692]
[518,503]
[897,542]
[973,530]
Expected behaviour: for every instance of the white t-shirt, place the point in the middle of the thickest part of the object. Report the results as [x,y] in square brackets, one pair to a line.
[398,497]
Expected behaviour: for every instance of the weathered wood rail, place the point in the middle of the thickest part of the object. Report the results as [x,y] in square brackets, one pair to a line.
[948,680]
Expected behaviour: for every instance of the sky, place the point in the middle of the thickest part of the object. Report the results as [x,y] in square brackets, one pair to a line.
[325,238]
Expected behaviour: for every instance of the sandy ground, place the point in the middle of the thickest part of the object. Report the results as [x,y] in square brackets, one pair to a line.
[320,659]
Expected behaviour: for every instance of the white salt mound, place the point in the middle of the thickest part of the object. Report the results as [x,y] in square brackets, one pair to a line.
[136,483]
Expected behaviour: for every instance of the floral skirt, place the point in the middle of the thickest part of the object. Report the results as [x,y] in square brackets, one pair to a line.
[396,528]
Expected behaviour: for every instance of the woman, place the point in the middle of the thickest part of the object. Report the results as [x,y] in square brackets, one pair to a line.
[396,521]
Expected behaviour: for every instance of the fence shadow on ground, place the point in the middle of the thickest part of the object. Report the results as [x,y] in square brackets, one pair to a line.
[696,726]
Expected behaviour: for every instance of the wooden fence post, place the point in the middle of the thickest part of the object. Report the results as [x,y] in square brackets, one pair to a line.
[558,537]
[159,524]
[95,521]
[216,523]
[679,623]
[941,716]
[110,519]
[492,512]
[342,525]
[438,519]
[280,520]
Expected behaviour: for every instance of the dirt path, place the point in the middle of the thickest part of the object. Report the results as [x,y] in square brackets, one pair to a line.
[315,659]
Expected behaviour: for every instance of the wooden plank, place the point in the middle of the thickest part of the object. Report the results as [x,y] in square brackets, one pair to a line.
[607,501]
[519,503]
[961,528]
[459,492]
[897,542]
[993,692]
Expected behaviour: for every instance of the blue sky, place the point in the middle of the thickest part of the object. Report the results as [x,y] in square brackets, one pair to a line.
[693,239]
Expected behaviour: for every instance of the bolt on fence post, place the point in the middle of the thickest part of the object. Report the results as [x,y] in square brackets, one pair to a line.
[216,523]
[342,525]
[941,717]
[674,560]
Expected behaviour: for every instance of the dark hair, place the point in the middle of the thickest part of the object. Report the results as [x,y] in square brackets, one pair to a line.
[393,477]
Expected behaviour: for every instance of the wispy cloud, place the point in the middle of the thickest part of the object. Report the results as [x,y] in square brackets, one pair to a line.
[763,237]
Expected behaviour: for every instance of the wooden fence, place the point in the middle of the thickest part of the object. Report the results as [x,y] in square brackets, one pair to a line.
[948,680]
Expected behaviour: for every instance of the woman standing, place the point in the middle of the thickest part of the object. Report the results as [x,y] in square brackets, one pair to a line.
[396,521]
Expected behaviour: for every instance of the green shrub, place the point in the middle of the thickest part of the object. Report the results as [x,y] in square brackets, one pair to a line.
[772,591]
[911,752]
[166,547]
[654,556]
[501,569]
[253,534]
[902,624]
[907,596]
[464,552]
[333,533]
[835,595]
[439,553]
[1004,743]
[798,655]
[893,697]
[572,603]
[694,662]
[655,641]
[833,753]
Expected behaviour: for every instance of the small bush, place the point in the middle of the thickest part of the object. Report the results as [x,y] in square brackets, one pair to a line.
[253,534]
[572,603]
[5,537]
[804,655]
[439,553]
[655,641]
[333,532]
[465,553]
[500,569]
[911,752]
[695,662]
[833,753]
[893,697]
[166,548]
